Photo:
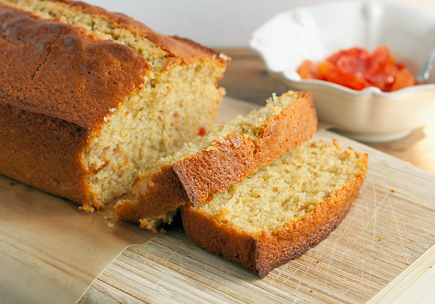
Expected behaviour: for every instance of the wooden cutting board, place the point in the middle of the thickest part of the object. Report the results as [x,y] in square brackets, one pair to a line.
[50,251]
[391,224]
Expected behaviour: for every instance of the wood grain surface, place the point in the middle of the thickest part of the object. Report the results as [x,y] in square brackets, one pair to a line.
[414,285]
[388,228]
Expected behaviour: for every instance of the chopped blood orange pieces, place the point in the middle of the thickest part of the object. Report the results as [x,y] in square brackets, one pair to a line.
[308,70]
[357,69]
[403,79]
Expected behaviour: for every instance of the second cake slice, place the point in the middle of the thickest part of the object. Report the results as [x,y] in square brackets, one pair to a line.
[282,210]
[223,157]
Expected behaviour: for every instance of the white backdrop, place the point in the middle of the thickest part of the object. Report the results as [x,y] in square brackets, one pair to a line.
[222,23]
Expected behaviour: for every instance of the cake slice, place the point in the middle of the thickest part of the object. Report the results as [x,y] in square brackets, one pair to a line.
[223,157]
[281,211]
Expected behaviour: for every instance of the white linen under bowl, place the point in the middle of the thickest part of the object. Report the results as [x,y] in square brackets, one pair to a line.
[315,32]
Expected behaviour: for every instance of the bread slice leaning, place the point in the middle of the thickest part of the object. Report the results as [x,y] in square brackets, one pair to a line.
[223,157]
[281,211]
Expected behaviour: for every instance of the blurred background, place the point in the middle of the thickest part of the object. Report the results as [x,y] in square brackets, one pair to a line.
[220,24]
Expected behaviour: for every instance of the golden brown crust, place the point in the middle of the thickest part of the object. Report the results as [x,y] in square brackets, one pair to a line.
[163,187]
[214,170]
[262,253]
[55,69]
[56,86]
[210,172]
[185,49]
[42,151]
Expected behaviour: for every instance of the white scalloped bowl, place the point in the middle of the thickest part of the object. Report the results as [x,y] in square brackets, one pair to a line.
[315,32]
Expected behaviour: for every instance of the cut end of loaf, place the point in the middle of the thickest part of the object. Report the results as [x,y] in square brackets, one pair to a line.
[150,125]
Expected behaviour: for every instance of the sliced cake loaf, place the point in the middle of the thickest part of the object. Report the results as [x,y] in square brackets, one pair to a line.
[88,98]
[282,210]
[224,156]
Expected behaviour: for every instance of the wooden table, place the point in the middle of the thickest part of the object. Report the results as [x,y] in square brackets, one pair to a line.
[247,79]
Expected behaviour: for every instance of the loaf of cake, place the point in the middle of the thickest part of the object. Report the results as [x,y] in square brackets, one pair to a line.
[282,210]
[223,157]
[89,98]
